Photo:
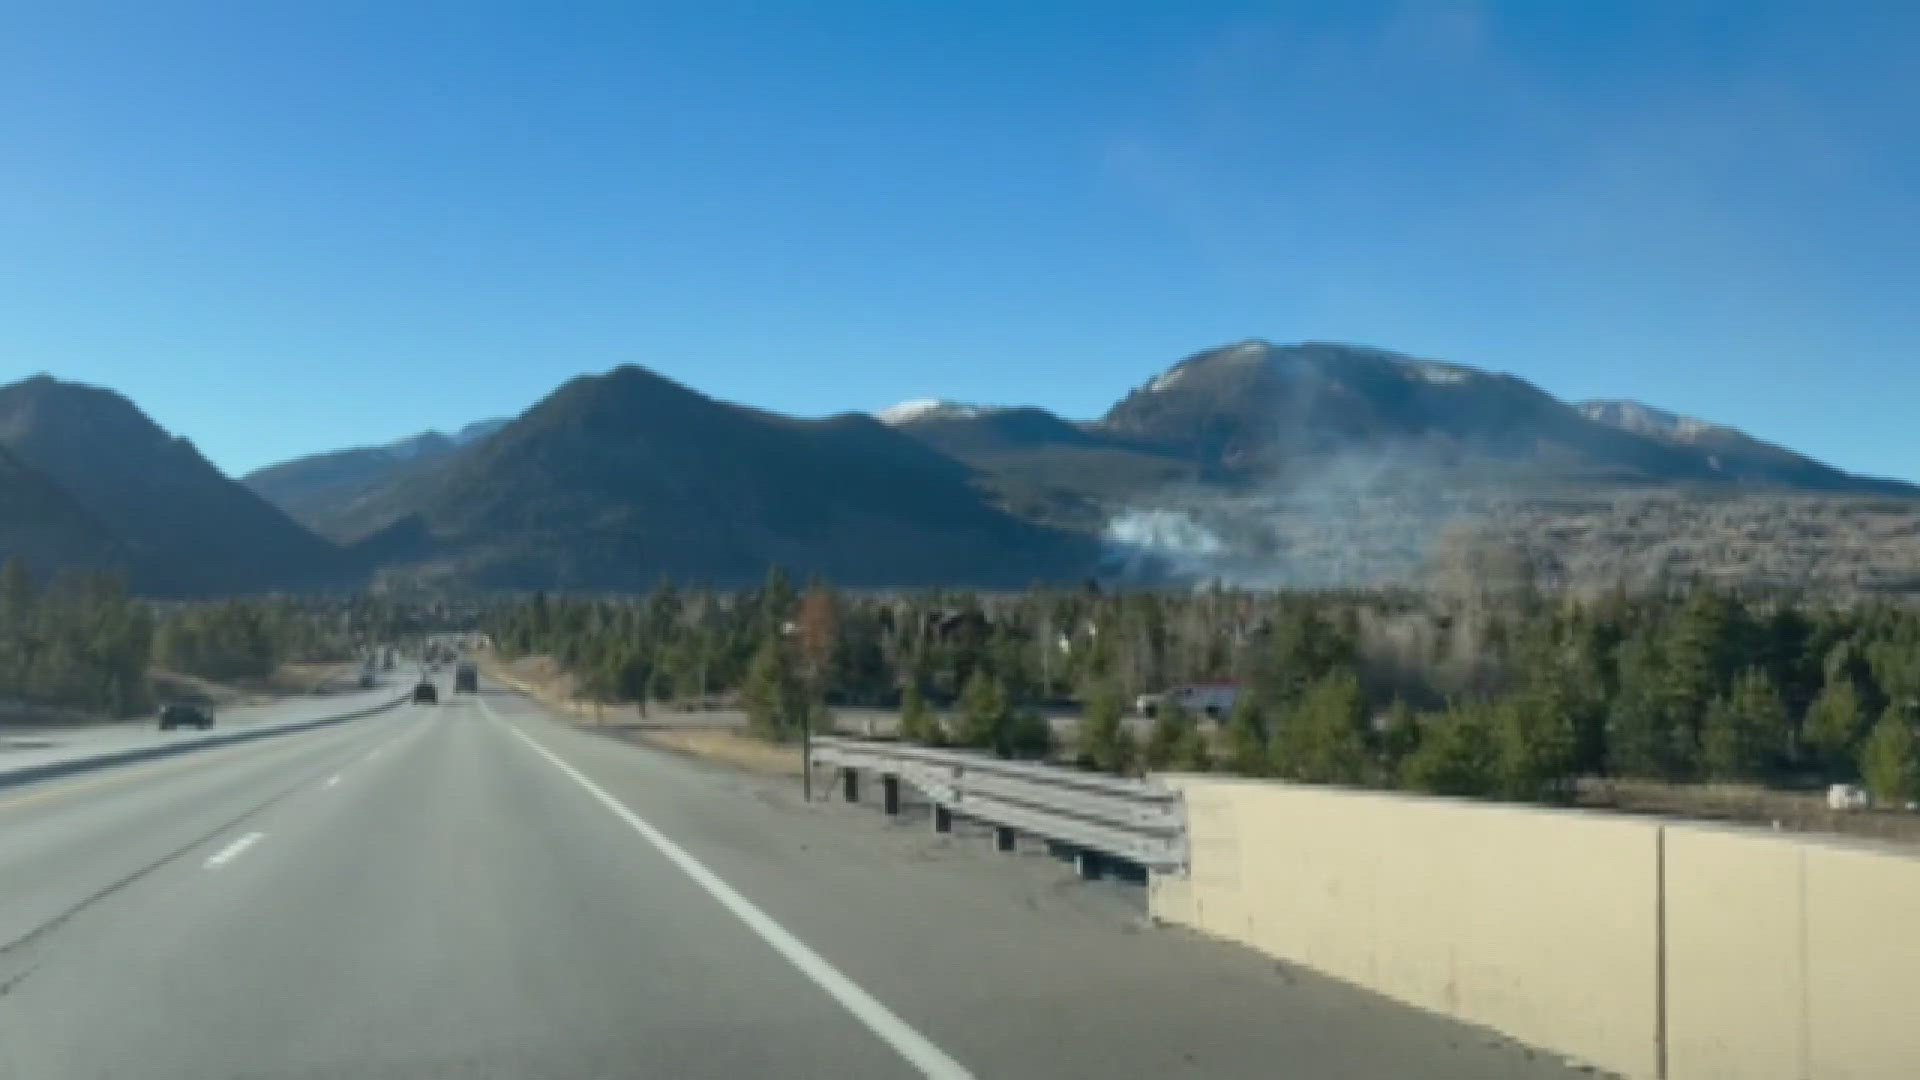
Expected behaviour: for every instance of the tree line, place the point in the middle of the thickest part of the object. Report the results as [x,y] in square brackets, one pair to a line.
[1513,694]
[79,641]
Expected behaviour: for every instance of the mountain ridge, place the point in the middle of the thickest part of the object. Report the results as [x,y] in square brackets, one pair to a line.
[325,491]
[44,526]
[619,477]
[1252,455]
[1253,407]
[188,528]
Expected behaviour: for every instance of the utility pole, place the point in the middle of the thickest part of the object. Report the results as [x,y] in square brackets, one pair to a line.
[817,629]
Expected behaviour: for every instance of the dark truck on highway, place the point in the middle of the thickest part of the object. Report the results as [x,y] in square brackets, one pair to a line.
[466,679]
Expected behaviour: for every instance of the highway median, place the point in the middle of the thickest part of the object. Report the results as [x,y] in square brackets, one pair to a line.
[50,765]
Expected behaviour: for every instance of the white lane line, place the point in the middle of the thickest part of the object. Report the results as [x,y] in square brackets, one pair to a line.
[895,1032]
[233,851]
[332,780]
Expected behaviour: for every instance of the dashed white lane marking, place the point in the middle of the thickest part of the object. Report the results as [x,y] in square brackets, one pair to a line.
[233,851]
[919,1051]
[332,780]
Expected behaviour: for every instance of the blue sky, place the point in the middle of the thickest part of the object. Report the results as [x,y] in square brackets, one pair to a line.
[282,231]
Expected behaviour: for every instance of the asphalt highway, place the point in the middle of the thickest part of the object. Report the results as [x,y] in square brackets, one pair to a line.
[476,889]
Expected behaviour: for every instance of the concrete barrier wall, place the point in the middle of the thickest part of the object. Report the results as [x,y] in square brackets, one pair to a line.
[1736,992]
[1537,923]
[1649,949]
[1863,961]
[1790,956]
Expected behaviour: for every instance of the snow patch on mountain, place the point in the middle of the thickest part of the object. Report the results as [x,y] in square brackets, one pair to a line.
[1435,372]
[929,409]
[1645,419]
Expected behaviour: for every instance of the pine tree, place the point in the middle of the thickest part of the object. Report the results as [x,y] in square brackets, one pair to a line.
[1028,735]
[983,712]
[1833,727]
[1399,738]
[1696,648]
[1644,736]
[1745,729]
[1534,743]
[1890,760]
[1246,738]
[1192,753]
[1322,740]
[917,722]
[1171,729]
[1305,648]
[772,693]
[1104,742]
[1456,754]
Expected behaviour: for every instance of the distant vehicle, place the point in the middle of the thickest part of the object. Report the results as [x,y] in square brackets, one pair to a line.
[426,693]
[180,714]
[1209,699]
[466,679]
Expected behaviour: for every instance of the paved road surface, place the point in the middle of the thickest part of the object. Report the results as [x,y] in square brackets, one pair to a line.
[475,890]
[23,745]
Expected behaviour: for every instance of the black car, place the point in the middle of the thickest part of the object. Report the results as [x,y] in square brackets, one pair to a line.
[426,693]
[180,714]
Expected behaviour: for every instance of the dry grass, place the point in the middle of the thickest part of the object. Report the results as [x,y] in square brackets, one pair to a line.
[1747,804]
[179,686]
[736,748]
[308,678]
[716,735]
[540,678]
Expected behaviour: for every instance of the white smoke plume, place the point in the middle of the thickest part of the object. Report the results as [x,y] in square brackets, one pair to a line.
[1158,542]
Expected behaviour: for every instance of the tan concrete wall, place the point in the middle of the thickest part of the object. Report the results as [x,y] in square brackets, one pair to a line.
[1538,923]
[1784,956]
[1736,996]
[1863,962]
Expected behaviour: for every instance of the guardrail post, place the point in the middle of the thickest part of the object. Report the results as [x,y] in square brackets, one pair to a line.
[890,794]
[850,784]
[1004,838]
[942,819]
[1090,864]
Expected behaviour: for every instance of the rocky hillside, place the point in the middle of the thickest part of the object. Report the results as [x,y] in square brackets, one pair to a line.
[187,529]
[330,492]
[1275,412]
[43,525]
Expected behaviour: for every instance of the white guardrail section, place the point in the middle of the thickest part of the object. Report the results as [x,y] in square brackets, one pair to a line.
[1139,821]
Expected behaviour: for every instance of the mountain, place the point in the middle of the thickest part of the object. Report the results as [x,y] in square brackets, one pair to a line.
[1322,464]
[1255,410]
[1038,465]
[188,529]
[45,526]
[616,479]
[983,429]
[329,492]
[1730,452]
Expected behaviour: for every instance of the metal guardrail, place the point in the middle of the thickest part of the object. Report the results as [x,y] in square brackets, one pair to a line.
[1140,821]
